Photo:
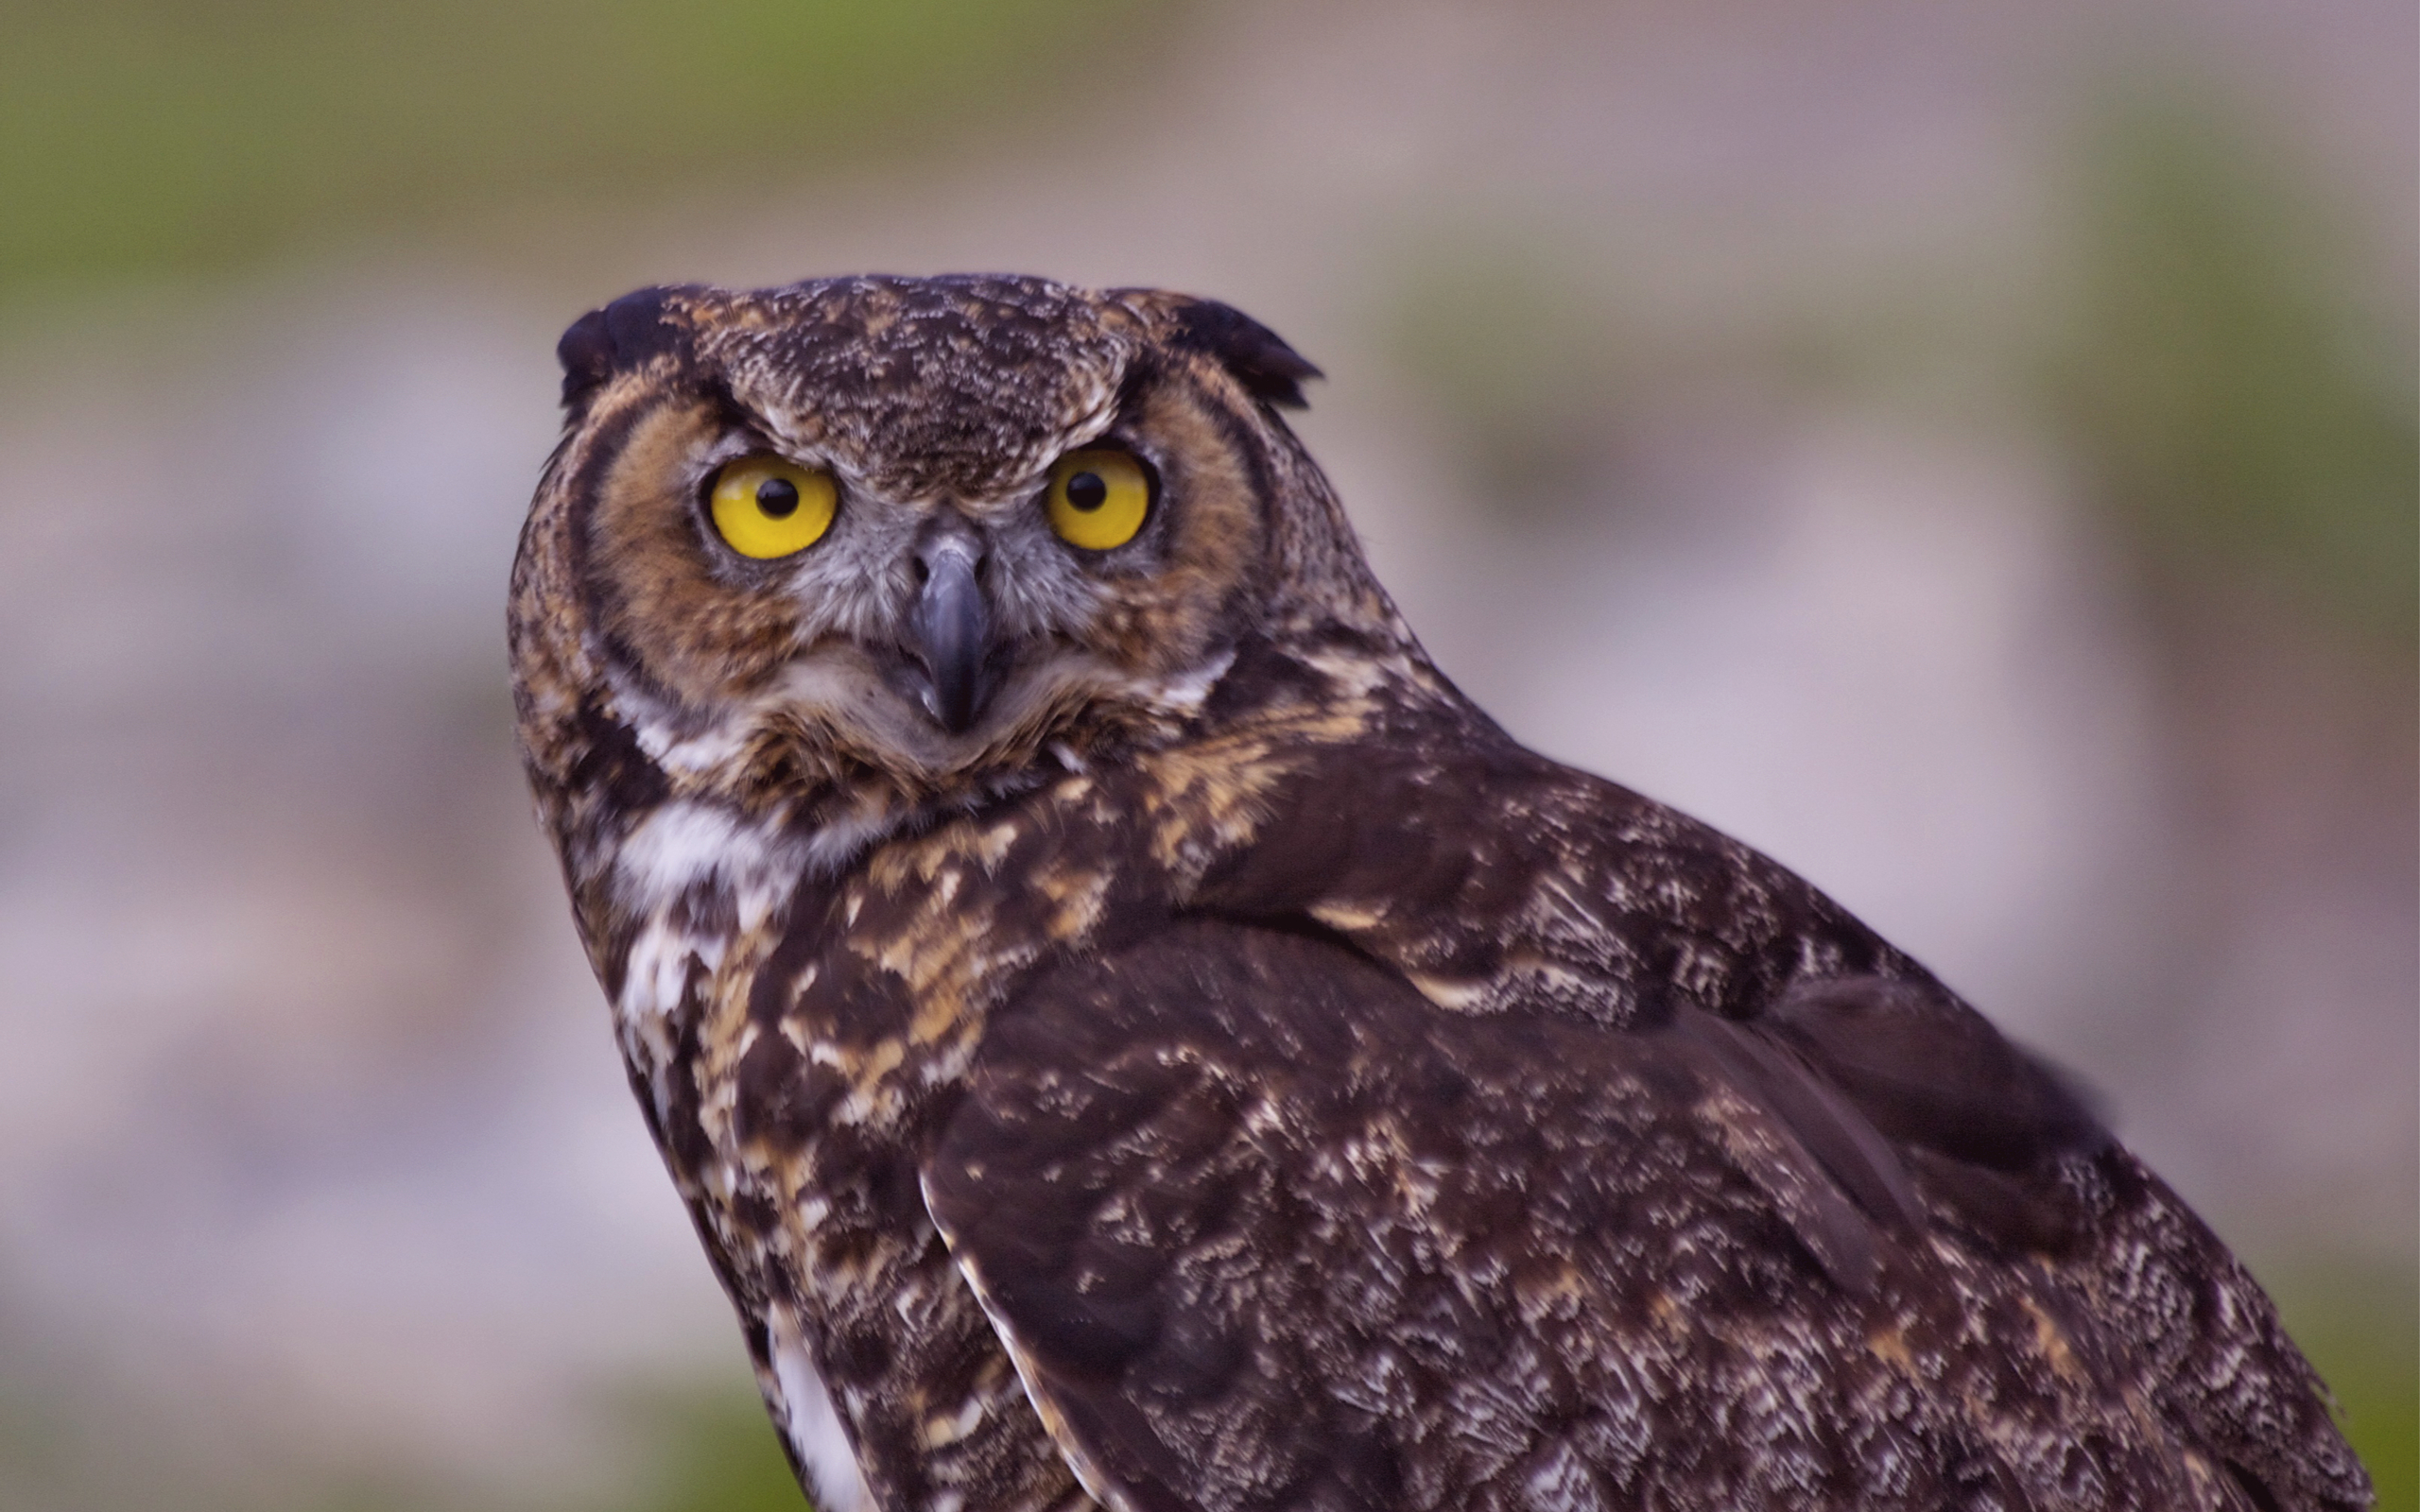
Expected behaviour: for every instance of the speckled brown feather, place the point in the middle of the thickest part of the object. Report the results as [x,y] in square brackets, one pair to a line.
[1231,1074]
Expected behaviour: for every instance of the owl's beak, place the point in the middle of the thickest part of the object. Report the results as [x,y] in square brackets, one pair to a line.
[953,632]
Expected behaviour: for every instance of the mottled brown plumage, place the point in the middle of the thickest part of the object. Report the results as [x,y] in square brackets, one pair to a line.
[1130,1032]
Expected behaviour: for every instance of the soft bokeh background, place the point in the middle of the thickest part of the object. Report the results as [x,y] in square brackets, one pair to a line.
[1966,449]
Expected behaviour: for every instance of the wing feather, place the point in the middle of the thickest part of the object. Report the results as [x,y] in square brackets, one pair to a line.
[1264,1228]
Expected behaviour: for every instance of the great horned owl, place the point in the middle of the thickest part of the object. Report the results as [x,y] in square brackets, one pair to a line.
[1131,1033]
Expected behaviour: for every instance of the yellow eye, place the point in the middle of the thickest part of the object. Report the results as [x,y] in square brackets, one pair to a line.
[1099,498]
[766,508]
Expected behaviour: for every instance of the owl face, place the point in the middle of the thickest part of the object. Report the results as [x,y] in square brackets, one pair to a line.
[925,529]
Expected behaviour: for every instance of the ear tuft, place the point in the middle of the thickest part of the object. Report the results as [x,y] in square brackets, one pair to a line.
[1262,362]
[613,337]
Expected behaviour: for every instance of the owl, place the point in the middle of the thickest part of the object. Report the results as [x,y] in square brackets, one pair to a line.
[1131,1034]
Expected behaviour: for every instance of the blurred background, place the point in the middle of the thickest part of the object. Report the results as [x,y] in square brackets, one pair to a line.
[1964,448]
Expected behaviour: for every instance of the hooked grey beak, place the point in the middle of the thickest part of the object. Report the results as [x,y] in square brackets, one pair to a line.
[952,630]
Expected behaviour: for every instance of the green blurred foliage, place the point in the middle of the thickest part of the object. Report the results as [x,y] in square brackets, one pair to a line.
[2244,402]
[145,136]
[2238,403]
[700,1447]
[2359,1324]
[719,1455]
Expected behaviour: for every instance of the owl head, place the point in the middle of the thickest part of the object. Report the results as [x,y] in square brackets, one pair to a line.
[915,535]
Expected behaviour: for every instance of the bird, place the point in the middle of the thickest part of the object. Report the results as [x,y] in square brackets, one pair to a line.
[1131,1033]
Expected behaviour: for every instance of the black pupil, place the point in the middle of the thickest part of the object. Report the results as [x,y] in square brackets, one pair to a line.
[777,498]
[1086,491]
